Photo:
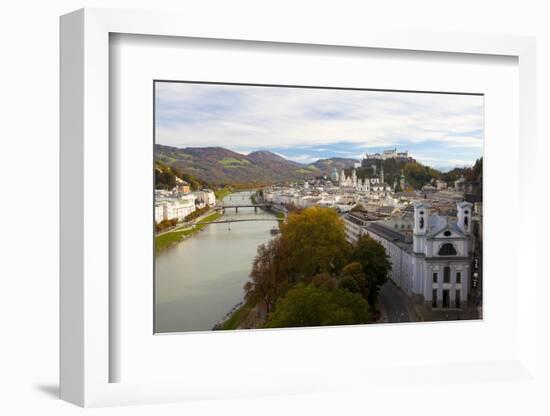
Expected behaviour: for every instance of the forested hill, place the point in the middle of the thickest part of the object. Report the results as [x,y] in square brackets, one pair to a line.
[165,178]
[417,174]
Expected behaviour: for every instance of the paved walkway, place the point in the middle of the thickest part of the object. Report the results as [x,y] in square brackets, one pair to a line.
[187,225]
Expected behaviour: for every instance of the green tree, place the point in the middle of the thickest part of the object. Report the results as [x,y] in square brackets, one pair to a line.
[308,305]
[354,271]
[349,284]
[375,265]
[315,242]
[476,171]
[418,175]
[164,179]
[269,275]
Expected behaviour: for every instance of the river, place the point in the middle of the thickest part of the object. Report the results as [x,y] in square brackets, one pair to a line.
[199,280]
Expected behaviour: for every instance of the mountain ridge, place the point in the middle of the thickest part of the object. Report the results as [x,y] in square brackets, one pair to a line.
[218,165]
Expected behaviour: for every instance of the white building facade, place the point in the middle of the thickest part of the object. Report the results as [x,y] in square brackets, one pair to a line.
[206,196]
[174,208]
[431,264]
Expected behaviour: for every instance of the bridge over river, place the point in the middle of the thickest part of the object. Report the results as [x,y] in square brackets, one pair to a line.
[239,220]
[255,206]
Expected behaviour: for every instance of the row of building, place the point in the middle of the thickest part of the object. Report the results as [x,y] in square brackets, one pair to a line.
[430,253]
[179,202]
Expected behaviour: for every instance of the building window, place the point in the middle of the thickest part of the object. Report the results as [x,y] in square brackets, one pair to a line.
[434,298]
[446,274]
[447,249]
[457,299]
[435,277]
[446,299]
[458,277]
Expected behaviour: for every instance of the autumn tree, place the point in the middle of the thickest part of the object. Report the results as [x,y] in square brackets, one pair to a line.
[269,275]
[308,305]
[371,255]
[315,242]
[324,280]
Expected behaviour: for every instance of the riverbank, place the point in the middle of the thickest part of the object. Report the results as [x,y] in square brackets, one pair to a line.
[171,237]
[195,288]
[244,315]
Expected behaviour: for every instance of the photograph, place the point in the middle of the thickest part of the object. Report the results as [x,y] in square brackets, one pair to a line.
[282,206]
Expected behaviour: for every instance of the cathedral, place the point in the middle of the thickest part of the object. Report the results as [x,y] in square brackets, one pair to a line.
[373,184]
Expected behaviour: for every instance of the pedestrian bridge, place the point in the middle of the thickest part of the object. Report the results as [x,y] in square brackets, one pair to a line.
[255,206]
[239,220]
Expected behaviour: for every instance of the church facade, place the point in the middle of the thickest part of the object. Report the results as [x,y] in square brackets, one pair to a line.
[431,264]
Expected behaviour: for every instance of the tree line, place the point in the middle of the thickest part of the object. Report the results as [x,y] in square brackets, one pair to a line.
[311,276]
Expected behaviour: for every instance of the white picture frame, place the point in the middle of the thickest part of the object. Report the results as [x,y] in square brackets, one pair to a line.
[85,219]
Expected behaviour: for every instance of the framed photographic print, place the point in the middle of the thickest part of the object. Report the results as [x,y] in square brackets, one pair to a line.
[329,201]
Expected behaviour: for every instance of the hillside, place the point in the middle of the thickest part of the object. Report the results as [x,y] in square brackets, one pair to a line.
[326,166]
[417,174]
[165,178]
[219,166]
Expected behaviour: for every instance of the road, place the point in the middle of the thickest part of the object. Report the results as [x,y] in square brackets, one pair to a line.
[393,304]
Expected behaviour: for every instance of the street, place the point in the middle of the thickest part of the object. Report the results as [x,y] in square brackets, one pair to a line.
[393,304]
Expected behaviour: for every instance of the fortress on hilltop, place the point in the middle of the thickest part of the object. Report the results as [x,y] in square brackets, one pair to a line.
[388,154]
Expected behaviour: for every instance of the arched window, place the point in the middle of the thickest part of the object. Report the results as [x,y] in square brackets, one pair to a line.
[447,249]
[421,223]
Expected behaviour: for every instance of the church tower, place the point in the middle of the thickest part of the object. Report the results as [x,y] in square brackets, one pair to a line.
[402,181]
[421,217]
[382,172]
[354,178]
[464,216]
[334,176]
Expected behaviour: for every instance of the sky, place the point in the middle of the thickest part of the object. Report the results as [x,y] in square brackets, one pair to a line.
[306,124]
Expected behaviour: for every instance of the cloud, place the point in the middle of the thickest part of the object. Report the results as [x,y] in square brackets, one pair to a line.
[318,120]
